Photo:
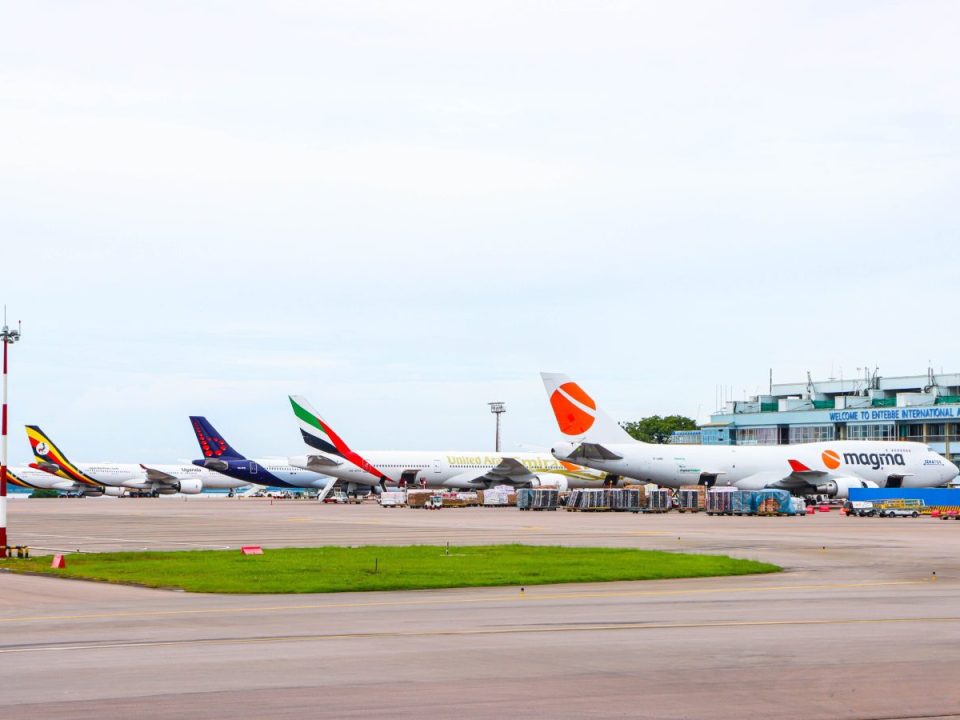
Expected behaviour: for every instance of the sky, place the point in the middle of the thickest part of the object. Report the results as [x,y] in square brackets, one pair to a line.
[404,211]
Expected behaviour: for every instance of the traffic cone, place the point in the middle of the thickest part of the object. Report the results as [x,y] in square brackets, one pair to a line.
[58,562]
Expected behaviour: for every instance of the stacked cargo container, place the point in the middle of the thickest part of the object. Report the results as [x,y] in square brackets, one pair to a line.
[538,499]
[635,498]
[660,500]
[692,498]
[720,500]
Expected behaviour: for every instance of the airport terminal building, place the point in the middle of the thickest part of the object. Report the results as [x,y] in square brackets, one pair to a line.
[921,408]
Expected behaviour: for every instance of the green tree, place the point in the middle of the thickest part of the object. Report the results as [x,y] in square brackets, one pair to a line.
[656,429]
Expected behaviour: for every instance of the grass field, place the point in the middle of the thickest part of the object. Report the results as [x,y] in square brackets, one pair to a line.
[339,569]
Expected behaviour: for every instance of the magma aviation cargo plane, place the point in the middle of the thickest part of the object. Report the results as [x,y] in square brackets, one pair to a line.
[219,456]
[456,469]
[593,439]
[99,478]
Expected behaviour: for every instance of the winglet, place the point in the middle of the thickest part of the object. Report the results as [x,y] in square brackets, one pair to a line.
[798,466]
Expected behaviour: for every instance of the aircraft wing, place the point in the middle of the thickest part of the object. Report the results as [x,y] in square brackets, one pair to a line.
[800,476]
[592,451]
[317,462]
[802,471]
[158,476]
[510,471]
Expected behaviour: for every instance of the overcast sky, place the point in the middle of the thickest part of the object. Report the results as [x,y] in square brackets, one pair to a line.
[406,210]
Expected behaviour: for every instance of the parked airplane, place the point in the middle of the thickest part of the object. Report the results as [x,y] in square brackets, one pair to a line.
[271,472]
[157,479]
[460,469]
[593,439]
[30,478]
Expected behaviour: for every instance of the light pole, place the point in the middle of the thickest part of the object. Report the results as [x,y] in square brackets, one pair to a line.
[7,337]
[498,409]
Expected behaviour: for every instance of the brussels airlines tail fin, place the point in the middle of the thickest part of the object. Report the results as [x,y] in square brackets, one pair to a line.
[320,436]
[49,458]
[212,444]
[577,414]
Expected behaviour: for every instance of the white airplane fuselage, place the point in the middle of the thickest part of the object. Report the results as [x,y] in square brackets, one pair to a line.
[452,469]
[823,466]
[180,478]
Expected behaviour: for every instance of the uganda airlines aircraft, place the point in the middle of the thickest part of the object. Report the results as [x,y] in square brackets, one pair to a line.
[32,479]
[591,438]
[157,479]
[455,469]
[270,472]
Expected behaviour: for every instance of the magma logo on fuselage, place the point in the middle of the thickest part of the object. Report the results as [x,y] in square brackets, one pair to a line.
[831,458]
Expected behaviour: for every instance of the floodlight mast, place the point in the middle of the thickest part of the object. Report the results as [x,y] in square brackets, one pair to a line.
[7,337]
[498,409]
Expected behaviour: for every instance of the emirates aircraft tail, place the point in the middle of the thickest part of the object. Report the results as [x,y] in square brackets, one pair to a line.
[577,414]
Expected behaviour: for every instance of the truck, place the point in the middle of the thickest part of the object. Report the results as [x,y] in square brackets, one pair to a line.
[393,498]
[898,512]
[860,508]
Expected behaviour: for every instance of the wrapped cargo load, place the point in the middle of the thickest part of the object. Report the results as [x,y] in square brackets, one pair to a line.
[393,498]
[660,500]
[743,502]
[495,497]
[720,500]
[589,500]
[773,502]
[692,498]
[544,499]
[615,499]
[418,498]
[524,498]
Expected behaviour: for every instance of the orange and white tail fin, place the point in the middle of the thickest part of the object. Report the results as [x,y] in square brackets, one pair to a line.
[577,414]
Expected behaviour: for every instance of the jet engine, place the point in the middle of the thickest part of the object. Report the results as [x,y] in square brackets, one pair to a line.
[840,487]
[190,487]
[187,487]
[554,481]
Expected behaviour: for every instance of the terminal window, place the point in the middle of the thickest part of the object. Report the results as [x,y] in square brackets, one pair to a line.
[757,436]
[871,431]
[810,433]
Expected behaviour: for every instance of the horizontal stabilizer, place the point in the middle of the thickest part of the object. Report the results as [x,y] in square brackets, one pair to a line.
[321,461]
[592,451]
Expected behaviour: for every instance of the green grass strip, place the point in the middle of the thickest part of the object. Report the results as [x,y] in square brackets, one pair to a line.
[340,569]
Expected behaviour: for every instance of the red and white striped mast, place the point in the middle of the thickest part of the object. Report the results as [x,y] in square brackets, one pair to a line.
[7,337]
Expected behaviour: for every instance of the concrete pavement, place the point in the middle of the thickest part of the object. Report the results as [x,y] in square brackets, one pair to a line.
[855,628]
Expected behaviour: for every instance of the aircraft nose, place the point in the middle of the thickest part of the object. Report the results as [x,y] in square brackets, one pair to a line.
[950,471]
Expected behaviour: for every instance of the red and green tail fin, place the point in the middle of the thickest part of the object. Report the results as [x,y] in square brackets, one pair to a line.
[318,435]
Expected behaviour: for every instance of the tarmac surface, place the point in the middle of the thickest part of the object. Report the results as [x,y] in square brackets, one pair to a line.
[856,627]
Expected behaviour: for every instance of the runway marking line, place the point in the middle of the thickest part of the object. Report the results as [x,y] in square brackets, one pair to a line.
[516,630]
[526,597]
